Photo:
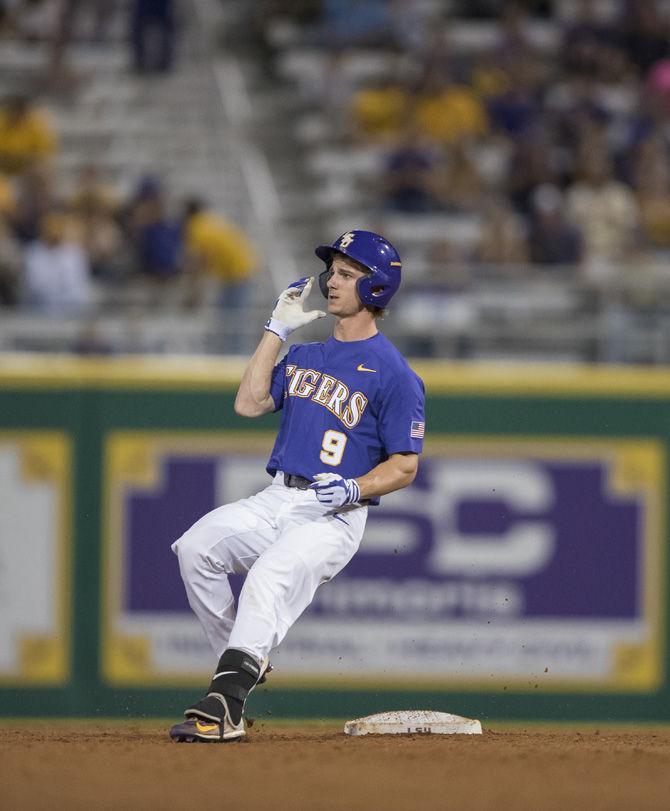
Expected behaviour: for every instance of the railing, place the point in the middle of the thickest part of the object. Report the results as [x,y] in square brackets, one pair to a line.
[493,313]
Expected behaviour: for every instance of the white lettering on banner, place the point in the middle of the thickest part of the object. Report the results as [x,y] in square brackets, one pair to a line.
[345,595]
[458,577]
[545,650]
[237,475]
[524,549]
[400,536]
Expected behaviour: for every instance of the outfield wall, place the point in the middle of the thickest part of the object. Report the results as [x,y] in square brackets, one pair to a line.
[523,575]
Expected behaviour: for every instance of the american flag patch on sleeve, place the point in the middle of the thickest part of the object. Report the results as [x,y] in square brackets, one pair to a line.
[417,429]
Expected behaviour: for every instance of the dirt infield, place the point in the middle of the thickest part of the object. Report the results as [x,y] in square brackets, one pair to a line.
[108,765]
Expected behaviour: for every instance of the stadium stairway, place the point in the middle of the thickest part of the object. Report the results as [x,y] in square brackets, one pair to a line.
[175,125]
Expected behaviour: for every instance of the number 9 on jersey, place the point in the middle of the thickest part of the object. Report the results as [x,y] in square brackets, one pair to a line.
[332,447]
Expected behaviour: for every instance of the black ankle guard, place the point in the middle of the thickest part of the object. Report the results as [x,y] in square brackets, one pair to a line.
[235,676]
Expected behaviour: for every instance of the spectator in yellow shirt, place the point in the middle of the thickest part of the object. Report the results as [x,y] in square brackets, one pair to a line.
[10,253]
[447,112]
[380,111]
[220,261]
[7,197]
[26,137]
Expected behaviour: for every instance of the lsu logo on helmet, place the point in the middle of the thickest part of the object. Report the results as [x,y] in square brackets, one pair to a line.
[346,239]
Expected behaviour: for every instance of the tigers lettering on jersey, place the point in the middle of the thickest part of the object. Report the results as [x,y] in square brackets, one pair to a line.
[328,392]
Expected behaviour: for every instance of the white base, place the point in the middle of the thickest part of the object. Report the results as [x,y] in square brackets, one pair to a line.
[407,722]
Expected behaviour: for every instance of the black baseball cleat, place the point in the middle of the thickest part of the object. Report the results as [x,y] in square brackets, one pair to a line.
[197,730]
[216,718]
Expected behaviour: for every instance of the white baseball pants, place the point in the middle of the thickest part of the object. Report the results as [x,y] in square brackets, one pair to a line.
[287,542]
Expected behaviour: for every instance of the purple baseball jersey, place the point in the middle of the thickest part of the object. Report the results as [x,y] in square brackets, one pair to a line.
[347,406]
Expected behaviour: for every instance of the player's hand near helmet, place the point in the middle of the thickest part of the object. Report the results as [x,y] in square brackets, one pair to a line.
[289,313]
[334,490]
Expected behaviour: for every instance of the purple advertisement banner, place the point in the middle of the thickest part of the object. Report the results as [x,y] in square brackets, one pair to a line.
[532,563]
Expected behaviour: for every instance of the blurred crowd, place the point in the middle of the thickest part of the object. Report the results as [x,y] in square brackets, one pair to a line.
[540,129]
[151,28]
[547,123]
[71,242]
[64,250]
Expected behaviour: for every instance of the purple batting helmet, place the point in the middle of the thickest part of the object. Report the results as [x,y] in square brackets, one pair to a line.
[376,288]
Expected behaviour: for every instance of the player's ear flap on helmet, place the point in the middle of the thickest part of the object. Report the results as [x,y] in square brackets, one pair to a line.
[374,253]
[324,278]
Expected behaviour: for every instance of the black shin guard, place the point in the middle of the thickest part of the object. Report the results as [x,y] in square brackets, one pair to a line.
[236,675]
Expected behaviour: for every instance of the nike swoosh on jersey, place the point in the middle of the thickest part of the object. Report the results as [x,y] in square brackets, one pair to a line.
[361,368]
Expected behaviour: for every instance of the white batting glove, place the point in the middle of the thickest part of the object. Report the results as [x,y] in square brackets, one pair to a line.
[334,490]
[289,312]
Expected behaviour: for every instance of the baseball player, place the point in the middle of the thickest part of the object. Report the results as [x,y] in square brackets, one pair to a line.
[351,430]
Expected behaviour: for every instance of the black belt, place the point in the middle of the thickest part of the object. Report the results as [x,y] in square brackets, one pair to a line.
[290,480]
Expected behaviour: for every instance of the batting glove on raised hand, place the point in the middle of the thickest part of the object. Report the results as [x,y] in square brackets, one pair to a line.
[289,312]
[334,490]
